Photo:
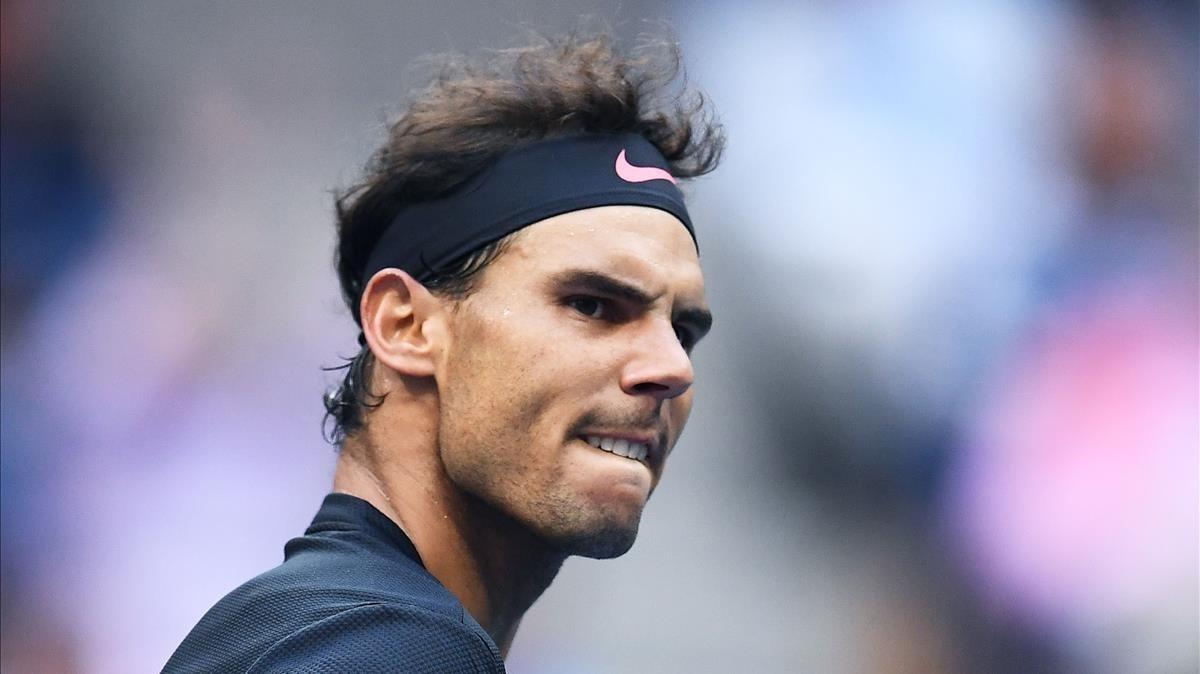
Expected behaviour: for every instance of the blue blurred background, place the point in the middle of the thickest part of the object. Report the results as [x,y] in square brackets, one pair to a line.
[947,421]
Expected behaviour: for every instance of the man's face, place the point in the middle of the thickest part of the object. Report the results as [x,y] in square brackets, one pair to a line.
[579,333]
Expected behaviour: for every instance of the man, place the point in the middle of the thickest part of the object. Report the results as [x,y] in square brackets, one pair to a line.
[526,277]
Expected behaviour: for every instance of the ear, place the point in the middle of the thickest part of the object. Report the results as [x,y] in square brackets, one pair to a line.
[401,321]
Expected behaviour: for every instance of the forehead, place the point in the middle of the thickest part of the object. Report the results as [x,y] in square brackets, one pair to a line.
[642,243]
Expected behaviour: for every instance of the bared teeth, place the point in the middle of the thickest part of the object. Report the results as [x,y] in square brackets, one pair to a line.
[619,446]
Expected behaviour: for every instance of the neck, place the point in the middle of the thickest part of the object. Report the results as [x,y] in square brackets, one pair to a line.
[495,566]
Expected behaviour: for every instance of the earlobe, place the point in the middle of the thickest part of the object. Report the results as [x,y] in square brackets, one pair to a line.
[397,315]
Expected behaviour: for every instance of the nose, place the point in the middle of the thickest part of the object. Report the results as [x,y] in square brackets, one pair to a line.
[660,367]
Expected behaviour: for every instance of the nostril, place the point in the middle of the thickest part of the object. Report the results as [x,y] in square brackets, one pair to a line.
[650,387]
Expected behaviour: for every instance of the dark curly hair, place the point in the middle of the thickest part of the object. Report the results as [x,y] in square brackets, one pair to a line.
[473,111]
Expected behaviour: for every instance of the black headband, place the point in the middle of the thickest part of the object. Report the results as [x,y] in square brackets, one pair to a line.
[525,185]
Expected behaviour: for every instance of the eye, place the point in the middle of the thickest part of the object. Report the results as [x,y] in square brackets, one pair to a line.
[592,307]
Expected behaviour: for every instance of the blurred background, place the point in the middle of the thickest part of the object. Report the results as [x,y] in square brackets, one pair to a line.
[947,421]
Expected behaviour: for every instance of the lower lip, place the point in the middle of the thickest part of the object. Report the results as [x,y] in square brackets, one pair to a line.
[618,475]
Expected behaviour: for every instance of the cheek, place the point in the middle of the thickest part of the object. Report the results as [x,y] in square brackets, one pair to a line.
[681,409]
[496,401]
[519,382]
[483,438]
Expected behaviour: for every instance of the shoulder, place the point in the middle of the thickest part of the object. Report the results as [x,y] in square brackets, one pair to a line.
[383,637]
[284,621]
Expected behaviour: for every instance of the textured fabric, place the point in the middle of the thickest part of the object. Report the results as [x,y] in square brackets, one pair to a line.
[350,596]
[530,183]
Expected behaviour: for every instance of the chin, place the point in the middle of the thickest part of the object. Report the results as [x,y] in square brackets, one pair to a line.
[607,543]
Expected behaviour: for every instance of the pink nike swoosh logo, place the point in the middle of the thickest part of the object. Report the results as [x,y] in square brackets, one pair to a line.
[639,174]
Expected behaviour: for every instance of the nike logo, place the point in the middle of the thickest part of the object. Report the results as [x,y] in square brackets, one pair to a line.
[639,174]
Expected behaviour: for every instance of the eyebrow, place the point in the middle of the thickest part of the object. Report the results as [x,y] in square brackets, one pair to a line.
[699,319]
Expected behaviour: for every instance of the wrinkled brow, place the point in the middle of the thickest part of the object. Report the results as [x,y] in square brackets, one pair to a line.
[698,319]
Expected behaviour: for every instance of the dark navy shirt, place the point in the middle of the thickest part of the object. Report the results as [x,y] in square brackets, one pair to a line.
[350,596]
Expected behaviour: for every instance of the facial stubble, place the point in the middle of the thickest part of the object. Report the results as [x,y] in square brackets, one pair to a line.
[495,445]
